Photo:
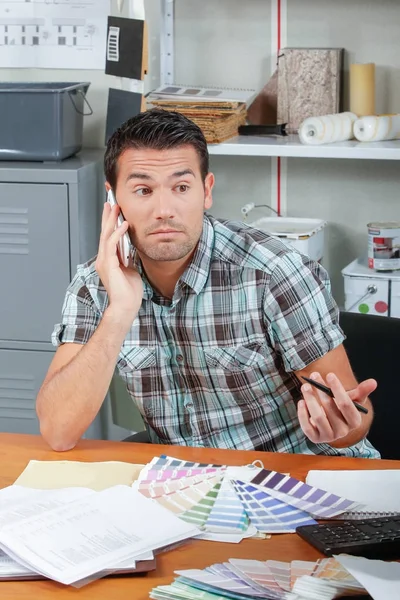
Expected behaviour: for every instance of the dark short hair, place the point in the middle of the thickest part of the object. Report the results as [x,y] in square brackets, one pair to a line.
[156,129]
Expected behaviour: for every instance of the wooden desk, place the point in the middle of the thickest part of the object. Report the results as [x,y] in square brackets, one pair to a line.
[17,450]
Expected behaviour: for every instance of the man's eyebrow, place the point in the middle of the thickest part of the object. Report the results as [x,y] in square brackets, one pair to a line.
[138,176]
[182,173]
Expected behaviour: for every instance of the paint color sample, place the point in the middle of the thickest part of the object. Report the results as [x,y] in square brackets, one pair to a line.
[268,514]
[305,497]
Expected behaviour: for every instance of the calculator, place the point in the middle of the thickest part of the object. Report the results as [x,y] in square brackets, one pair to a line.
[378,537]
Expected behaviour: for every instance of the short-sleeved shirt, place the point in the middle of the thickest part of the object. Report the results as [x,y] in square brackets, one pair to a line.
[215,365]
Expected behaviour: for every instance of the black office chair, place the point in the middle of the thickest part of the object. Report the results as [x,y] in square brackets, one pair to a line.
[141,437]
[373,345]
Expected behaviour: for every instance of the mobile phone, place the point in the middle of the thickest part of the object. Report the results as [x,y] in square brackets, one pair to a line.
[124,244]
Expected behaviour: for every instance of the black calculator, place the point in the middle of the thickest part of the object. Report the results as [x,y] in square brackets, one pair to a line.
[378,537]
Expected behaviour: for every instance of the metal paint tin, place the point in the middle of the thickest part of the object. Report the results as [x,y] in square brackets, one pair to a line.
[384,246]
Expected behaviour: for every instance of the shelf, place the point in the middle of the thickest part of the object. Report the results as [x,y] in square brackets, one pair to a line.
[291,147]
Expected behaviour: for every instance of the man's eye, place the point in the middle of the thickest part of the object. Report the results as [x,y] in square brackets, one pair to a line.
[143,191]
[182,188]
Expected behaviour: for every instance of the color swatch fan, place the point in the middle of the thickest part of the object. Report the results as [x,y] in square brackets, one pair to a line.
[237,502]
[187,489]
[275,580]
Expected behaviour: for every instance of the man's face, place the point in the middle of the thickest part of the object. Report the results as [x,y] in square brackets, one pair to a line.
[162,196]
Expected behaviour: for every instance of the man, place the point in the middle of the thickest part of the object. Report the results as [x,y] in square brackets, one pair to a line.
[213,327]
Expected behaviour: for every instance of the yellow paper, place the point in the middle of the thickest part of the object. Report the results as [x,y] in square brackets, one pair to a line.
[49,475]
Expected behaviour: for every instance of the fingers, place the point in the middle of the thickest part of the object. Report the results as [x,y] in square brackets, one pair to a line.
[110,235]
[363,390]
[317,424]
[324,419]
[105,215]
[117,234]
[110,231]
[343,402]
[109,220]
[305,423]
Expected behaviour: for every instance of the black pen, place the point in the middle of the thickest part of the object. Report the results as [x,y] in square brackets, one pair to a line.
[329,392]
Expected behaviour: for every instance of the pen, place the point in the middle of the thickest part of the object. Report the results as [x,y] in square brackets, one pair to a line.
[329,392]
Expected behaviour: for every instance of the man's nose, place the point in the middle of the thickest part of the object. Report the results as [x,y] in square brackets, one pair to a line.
[164,206]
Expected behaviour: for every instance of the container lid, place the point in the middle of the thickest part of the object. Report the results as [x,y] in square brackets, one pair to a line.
[42,86]
[385,225]
[359,268]
[289,227]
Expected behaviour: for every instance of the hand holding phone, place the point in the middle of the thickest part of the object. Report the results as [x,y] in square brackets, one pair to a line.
[124,244]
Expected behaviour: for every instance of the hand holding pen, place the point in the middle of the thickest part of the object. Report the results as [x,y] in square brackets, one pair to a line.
[327,414]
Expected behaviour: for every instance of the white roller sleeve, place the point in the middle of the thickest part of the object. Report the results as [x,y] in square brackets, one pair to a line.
[327,129]
[377,129]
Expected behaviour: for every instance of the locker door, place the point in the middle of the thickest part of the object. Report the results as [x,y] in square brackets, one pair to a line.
[34,259]
[21,375]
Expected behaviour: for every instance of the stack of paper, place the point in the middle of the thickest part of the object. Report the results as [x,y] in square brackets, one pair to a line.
[217,111]
[73,535]
[244,579]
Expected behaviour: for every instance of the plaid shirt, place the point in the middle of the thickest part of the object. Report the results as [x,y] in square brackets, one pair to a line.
[215,366]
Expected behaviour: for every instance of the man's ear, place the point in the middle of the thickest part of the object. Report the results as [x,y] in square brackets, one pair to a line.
[107,186]
[208,186]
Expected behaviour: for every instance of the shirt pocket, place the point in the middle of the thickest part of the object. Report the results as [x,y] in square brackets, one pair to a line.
[233,359]
[136,358]
[237,383]
[238,373]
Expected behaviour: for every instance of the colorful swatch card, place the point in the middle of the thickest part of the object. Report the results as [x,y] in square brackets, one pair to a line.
[212,582]
[257,572]
[227,570]
[181,501]
[155,488]
[331,569]
[227,513]
[268,514]
[300,568]
[305,497]
[181,591]
[281,572]
[162,468]
[200,512]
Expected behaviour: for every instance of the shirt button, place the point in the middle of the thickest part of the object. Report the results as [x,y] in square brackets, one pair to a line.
[179,358]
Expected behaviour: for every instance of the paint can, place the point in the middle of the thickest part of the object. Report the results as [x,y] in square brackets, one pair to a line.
[384,246]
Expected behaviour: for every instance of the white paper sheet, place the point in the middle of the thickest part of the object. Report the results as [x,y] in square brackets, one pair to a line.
[74,541]
[53,34]
[380,579]
[19,504]
[378,490]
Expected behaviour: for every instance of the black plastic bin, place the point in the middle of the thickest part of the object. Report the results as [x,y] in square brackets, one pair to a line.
[41,121]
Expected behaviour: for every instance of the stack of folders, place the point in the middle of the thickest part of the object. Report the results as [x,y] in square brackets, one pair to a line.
[75,535]
[249,579]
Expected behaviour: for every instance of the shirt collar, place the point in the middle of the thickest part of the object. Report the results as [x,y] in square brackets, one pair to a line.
[196,274]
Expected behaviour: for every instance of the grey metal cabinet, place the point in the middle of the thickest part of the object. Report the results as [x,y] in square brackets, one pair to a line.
[49,222]
[21,375]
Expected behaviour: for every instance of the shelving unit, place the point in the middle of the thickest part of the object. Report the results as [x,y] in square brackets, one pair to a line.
[290,147]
